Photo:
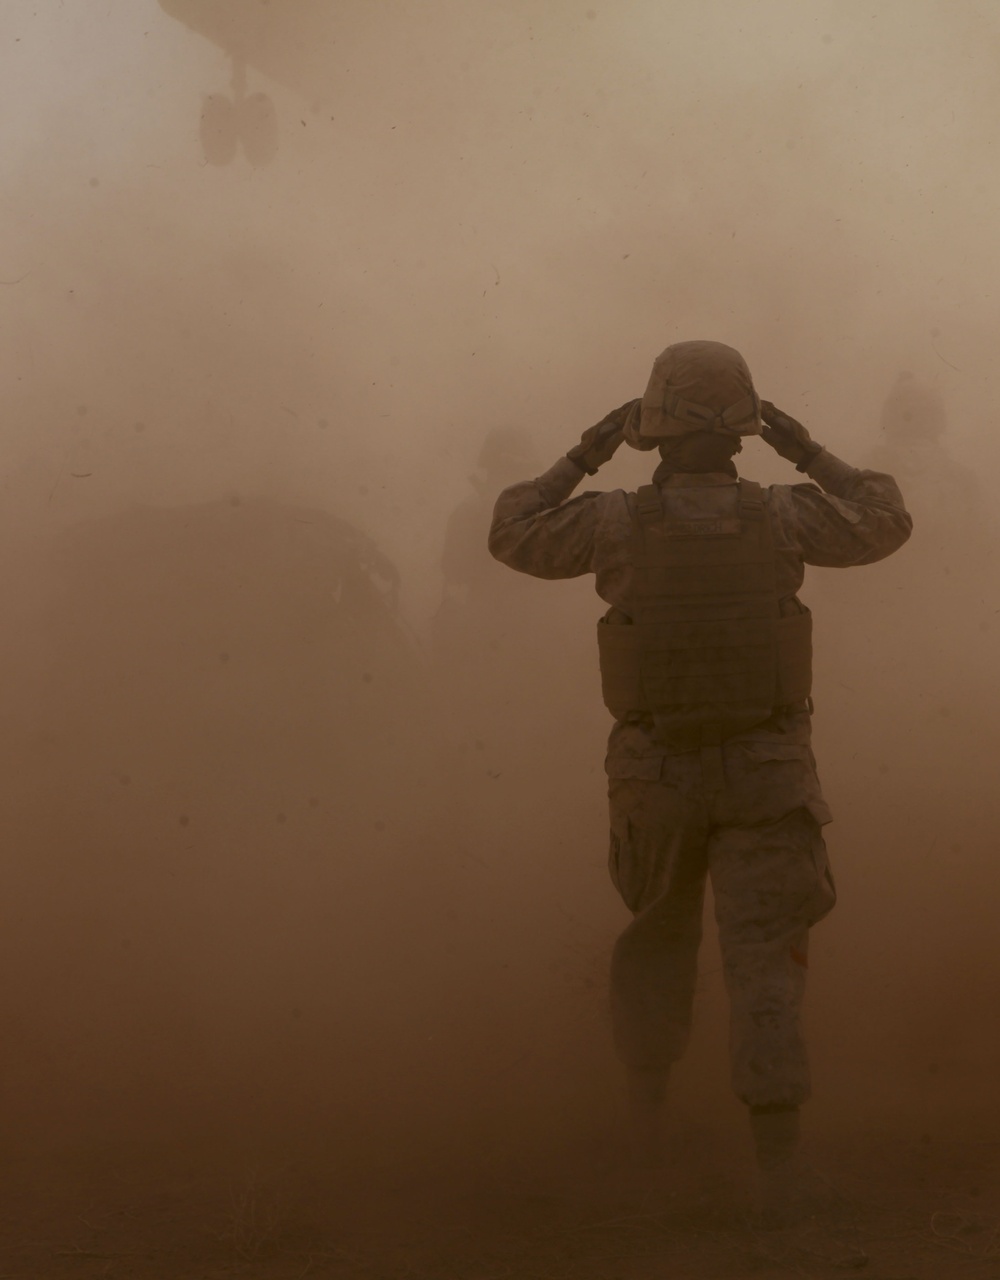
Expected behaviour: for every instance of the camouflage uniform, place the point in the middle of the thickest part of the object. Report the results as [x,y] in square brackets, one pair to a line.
[748,813]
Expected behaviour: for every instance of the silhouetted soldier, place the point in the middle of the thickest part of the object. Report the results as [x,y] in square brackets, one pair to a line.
[945,495]
[706,666]
[939,602]
[468,571]
[480,642]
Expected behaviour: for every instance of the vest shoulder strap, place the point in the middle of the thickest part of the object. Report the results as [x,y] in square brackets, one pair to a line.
[751,500]
[649,505]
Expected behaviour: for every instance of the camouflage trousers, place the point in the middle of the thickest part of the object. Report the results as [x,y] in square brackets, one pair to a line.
[748,814]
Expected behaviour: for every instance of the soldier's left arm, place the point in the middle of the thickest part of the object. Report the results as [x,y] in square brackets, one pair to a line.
[847,517]
[537,530]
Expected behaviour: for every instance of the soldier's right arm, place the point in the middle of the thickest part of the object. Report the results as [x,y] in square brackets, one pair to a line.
[847,517]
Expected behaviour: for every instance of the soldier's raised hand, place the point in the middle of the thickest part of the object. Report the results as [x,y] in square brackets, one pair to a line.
[787,436]
[599,442]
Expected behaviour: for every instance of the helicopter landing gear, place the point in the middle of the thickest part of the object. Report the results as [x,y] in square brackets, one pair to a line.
[247,120]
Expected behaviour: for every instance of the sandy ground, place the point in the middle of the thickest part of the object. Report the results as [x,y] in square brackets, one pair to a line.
[900,1210]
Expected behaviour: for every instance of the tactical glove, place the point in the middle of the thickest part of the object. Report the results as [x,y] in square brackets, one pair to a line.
[787,437]
[598,443]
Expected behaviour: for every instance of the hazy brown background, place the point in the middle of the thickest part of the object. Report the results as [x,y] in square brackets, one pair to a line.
[305,833]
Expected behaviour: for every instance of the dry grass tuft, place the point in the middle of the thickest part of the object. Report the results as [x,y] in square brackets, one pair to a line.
[256,1216]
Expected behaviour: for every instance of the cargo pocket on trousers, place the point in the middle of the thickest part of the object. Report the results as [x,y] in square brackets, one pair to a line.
[825,898]
[615,847]
[774,778]
[624,796]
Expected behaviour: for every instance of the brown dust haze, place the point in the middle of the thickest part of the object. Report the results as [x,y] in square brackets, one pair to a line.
[303,803]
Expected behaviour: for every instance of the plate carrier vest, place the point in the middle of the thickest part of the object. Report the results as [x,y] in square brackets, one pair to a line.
[708,653]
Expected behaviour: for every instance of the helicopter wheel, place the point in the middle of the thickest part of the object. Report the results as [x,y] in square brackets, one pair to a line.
[219,129]
[258,127]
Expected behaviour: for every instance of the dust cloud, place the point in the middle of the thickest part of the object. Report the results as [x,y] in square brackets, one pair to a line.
[303,806]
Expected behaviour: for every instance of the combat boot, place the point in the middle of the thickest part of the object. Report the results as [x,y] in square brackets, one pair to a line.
[788,1190]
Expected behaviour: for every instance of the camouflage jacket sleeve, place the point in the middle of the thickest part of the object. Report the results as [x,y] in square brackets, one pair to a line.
[536,530]
[847,517]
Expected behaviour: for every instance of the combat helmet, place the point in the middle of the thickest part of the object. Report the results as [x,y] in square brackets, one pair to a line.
[695,386]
